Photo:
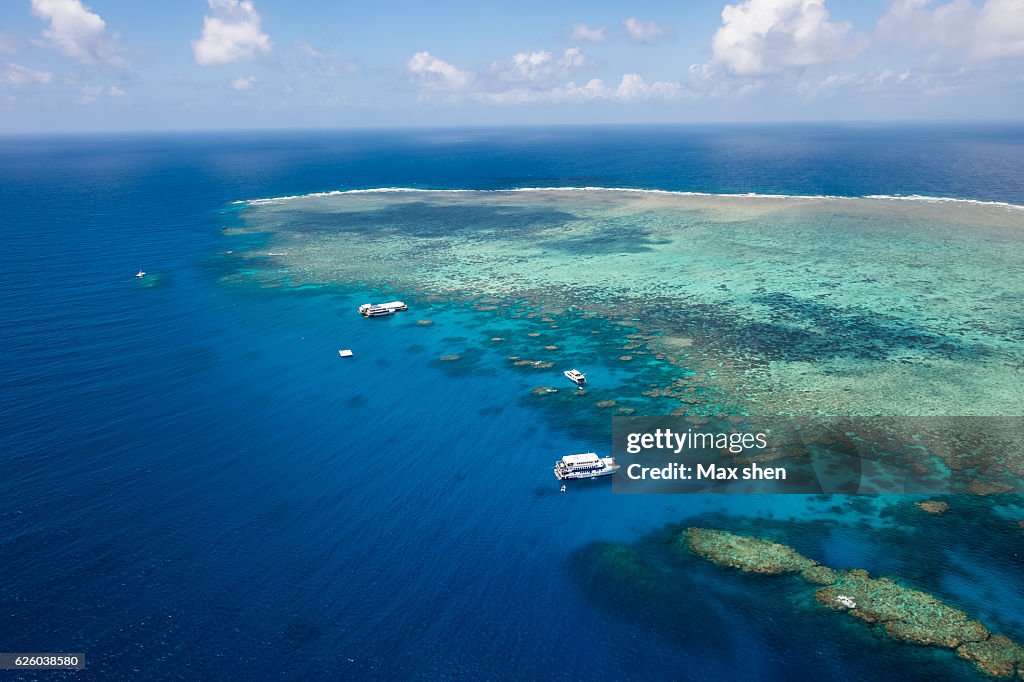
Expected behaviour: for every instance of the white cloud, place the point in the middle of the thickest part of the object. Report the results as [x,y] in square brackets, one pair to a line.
[593,89]
[231,33]
[891,83]
[573,59]
[767,37]
[528,77]
[958,30]
[540,66]
[435,75]
[633,87]
[243,83]
[78,32]
[569,92]
[642,31]
[16,74]
[597,34]
[90,93]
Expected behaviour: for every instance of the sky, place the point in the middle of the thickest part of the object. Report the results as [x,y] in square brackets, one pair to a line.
[125,65]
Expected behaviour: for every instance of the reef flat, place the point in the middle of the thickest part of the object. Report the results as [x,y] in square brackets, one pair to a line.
[771,305]
[907,615]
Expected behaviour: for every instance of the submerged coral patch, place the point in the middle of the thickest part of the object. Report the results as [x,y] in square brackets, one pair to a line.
[906,614]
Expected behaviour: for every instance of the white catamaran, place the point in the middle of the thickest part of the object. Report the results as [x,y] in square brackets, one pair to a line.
[587,465]
[575,376]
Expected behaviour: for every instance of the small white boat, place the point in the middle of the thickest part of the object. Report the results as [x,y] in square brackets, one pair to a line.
[346,353]
[575,376]
[140,274]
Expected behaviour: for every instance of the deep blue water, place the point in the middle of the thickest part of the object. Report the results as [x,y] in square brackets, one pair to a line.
[194,486]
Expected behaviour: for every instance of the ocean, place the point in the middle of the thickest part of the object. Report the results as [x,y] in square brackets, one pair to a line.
[196,486]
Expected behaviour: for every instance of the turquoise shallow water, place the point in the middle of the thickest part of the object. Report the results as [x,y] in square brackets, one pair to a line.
[780,305]
[196,486]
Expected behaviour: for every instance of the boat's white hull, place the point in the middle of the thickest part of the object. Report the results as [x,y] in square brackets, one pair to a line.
[563,475]
[579,379]
[381,309]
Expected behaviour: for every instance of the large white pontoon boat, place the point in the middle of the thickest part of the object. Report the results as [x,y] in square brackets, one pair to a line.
[378,309]
[587,465]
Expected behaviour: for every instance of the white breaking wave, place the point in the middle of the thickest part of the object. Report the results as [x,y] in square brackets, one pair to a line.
[744,195]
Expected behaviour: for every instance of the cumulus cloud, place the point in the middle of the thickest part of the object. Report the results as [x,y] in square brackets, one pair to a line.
[78,32]
[16,74]
[958,30]
[582,32]
[769,37]
[231,33]
[641,31]
[633,87]
[114,91]
[526,77]
[540,66]
[435,75]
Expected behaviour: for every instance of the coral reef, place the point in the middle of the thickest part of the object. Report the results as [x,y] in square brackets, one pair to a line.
[906,614]
[932,506]
[996,655]
[819,575]
[749,554]
[536,364]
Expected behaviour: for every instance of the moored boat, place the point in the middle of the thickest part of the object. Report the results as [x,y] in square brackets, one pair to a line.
[586,465]
[575,376]
[378,309]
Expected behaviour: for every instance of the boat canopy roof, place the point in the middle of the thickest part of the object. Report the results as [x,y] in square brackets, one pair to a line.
[389,304]
[576,460]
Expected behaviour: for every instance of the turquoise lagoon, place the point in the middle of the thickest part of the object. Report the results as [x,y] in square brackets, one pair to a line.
[763,304]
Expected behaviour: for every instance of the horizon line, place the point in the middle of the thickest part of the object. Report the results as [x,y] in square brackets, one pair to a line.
[497,126]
